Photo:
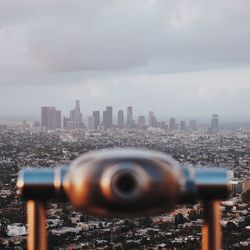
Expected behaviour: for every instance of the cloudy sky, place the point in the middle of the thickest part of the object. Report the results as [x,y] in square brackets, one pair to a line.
[183,58]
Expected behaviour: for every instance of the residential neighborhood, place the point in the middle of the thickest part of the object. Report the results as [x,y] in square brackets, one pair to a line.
[69,229]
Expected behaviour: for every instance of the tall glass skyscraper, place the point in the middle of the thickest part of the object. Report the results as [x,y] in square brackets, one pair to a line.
[50,118]
[77,115]
[129,117]
[120,119]
[108,117]
[96,115]
[215,123]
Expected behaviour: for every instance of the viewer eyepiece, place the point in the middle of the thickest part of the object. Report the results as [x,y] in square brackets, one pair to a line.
[126,184]
[123,183]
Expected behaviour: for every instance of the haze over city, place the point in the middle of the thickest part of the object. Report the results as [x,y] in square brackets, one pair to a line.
[185,59]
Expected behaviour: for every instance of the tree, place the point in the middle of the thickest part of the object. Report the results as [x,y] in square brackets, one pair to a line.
[3,227]
[193,215]
[145,221]
[246,197]
[179,219]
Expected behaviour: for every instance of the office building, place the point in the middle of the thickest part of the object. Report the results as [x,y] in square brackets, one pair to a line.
[215,123]
[172,124]
[150,118]
[69,124]
[193,125]
[120,121]
[50,118]
[129,117]
[141,122]
[108,117]
[182,125]
[65,120]
[75,119]
[36,124]
[91,123]
[236,186]
[72,115]
[104,118]
[152,121]
[77,115]
[96,115]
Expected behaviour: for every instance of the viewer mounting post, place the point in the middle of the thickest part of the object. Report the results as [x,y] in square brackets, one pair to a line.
[36,220]
[124,183]
[211,230]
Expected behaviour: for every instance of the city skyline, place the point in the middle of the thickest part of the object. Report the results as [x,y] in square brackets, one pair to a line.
[51,119]
[162,117]
[189,100]
[174,57]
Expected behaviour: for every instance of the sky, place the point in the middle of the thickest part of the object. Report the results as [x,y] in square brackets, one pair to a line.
[182,58]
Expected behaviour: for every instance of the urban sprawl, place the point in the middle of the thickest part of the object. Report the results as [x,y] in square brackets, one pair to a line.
[55,140]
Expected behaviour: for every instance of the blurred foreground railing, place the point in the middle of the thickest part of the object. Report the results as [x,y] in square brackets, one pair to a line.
[123,183]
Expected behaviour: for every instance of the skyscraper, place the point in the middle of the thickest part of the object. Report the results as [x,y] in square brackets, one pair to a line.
[77,115]
[108,117]
[120,119]
[96,115]
[91,123]
[141,122]
[50,118]
[182,125]
[215,123]
[65,121]
[151,119]
[172,124]
[193,124]
[72,115]
[44,117]
[104,118]
[129,117]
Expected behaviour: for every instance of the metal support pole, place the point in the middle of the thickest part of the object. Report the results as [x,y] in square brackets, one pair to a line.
[36,218]
[211,230]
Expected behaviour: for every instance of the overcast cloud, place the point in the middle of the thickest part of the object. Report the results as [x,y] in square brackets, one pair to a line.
[178,57]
